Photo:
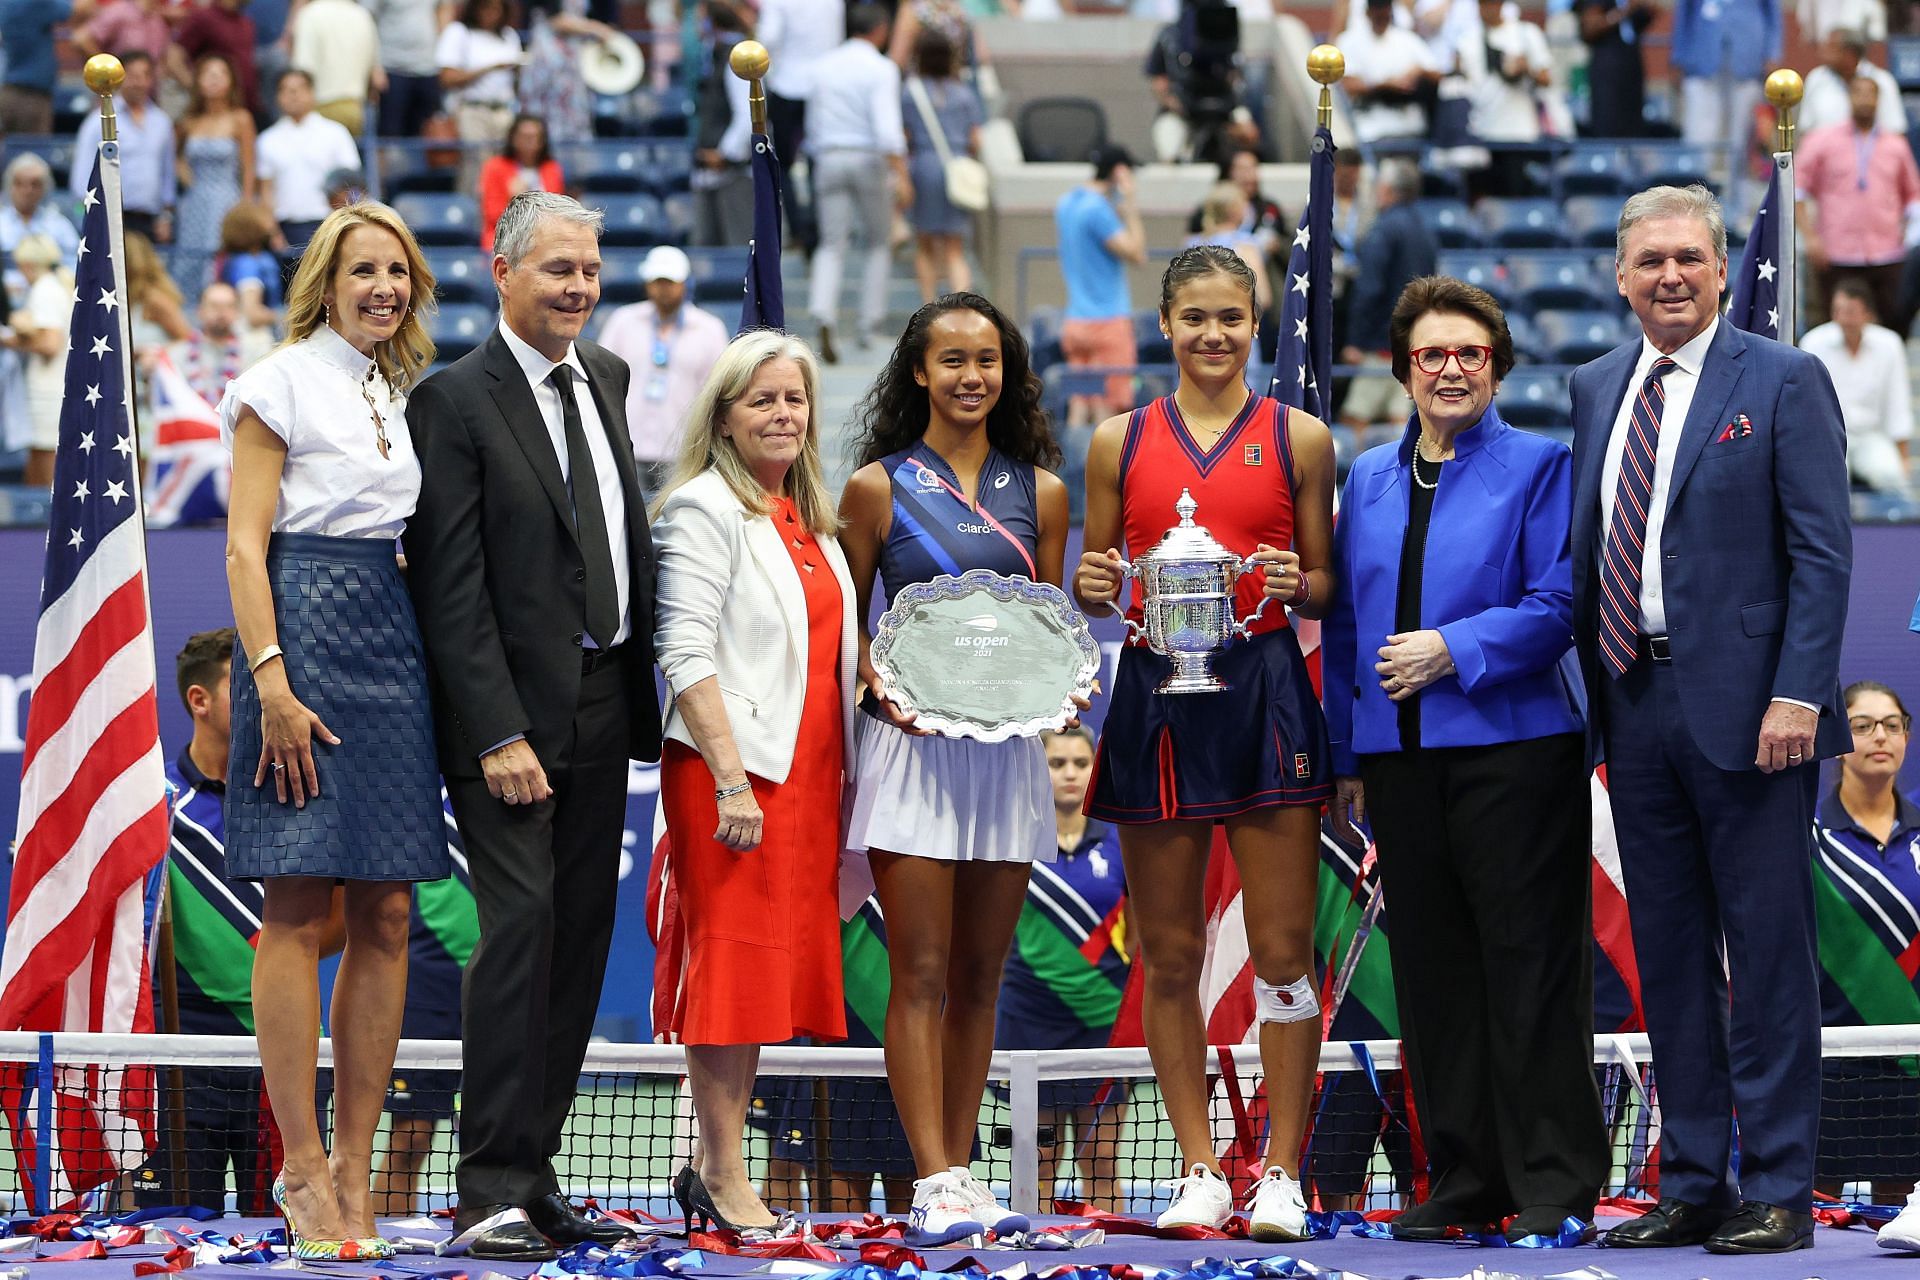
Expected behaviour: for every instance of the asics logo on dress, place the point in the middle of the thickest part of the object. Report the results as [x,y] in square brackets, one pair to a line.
[1000,481]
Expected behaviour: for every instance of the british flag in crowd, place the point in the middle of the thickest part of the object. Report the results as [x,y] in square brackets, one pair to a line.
[189,472]
[93,812]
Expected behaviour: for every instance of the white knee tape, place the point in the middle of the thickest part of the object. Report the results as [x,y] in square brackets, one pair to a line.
[1295,1002]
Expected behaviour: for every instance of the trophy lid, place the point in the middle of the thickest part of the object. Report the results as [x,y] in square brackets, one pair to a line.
[1187,542]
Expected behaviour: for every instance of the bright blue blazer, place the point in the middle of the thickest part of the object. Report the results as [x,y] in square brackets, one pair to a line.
[1498,586]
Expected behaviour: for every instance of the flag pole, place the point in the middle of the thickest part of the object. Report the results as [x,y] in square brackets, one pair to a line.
[1327,66]
[750,62]
[1784,90]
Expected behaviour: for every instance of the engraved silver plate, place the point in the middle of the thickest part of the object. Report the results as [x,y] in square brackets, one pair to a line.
[985,656]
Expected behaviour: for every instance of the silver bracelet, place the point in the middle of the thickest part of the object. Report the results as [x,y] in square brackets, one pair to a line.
[728,793]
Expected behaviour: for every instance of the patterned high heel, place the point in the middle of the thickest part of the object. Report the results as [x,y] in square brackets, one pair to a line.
[305,1250]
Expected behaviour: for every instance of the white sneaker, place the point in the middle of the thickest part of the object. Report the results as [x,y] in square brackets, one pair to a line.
[1201,1199]
[1278,1210]
[987,1210]
[1903,1233]
[942,1212]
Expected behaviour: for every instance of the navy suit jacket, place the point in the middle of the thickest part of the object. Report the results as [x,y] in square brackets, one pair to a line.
[1757,548]
[1497,586]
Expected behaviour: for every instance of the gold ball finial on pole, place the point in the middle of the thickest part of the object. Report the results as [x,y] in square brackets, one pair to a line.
[104,74]
[1785,88]
[750,61]
[1327,66]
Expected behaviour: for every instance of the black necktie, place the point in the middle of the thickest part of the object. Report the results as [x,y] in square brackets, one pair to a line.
[589,518]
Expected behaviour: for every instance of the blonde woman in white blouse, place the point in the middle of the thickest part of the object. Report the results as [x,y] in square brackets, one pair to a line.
[332,774]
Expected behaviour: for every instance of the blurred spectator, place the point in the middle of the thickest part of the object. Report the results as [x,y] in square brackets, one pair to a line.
[336,43]
[945,102]
[797,35]
[222,348]
[408,31]
[1869,367]
[1859,205]
[525,164]
[1510,74]
[671,346]
[722,185]
[479,57]
[1450,28]
[1264,220]
[1722,49]
[154,303]
[1615,32]
[1099,230]
[857,148]
[1397,250]
[222,27]
[553,87]
[1390,70]
[27,37]
[216,167]
[345,186]
[26,212]
[149,180]
[120,25]
[1352,216]
[1193,69]
[1843,56]
[247,262]
[296,153]
[1064,978]
[39,332]
[948,17]
[1223,218]
[1821,18]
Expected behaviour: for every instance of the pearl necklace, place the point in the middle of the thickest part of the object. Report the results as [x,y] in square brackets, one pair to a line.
[1424,484]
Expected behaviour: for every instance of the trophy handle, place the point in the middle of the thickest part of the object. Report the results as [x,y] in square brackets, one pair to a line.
[1135,630]
[1243,627]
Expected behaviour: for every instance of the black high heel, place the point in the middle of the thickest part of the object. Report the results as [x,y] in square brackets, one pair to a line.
[696,1206]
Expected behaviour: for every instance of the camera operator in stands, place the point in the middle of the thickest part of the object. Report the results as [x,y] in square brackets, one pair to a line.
[1193,66]
[1391,77]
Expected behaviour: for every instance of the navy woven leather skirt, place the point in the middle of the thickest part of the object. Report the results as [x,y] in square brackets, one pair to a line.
[353,655]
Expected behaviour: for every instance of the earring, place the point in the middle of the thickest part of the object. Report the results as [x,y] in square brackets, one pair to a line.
[326,314]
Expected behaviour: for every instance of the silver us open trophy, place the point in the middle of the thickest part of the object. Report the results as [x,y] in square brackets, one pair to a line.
[1188,580]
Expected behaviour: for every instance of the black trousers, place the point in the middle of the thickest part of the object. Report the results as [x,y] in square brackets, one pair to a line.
[787,125]
[1485,854]
[544,880]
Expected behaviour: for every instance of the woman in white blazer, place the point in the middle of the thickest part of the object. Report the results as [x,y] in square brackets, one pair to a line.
[756,637]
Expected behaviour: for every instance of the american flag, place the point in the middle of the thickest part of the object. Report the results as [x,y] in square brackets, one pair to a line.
[1753,303]
[93,811]
[766,304]
[1303,364]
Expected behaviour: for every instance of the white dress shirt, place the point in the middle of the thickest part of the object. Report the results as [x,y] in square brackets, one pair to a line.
[797,34]
[336,42]
[297,156]
[314,395]
[1373,60]
[855,104]
[1828,99]
[464,48]
[613,497]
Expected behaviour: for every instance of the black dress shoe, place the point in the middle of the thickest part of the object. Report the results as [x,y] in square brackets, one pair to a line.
[1546,1220]
[512,1241]
[1435,1220]
[1763,1228]
[555,1219]
[1672,1224]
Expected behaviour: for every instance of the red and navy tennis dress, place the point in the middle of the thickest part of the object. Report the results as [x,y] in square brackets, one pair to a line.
[1202,756]
[955,799]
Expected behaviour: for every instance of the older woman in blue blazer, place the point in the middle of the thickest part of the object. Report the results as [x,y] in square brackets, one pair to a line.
[1455,735]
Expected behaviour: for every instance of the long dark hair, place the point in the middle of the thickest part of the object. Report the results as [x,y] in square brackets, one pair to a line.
[546,138]
[894,413]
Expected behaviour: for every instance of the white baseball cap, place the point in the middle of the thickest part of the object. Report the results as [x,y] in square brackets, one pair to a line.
[664,262]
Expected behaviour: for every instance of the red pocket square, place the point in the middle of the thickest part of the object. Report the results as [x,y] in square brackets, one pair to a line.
[1739,429]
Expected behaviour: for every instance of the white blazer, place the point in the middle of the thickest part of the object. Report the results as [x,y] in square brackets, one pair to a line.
[730,605]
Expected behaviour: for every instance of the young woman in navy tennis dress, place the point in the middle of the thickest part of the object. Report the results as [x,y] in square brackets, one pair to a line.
[1169,766]
[951,450]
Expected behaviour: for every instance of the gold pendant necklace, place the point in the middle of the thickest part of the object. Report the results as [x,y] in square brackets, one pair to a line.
[379,423]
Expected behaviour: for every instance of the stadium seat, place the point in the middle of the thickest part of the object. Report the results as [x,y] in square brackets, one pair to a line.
[1061,129]
[1043,339]
[621,280]
[1593,222]
[1148,342]
[1527,346]
[440,219]
[682,213]
[1442,184]
[461,275]
[729,261]
[1535,399]
[1575,337]
[1592,171]
[1451,223]
[407,182]
[459,329]
[1482,268]
[55,149]
[1523,224]
[1562,280]
[669,169]
[1673,165]
[636,221]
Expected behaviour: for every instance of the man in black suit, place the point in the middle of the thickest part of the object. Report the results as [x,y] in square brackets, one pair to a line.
[532,572]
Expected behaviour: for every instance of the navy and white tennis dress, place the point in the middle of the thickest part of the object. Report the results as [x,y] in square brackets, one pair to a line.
[956,799]
[345,624]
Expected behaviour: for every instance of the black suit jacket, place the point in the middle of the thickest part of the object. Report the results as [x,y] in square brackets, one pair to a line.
[495,567]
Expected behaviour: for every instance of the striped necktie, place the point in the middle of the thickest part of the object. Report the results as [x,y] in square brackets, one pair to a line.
[1626,548]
